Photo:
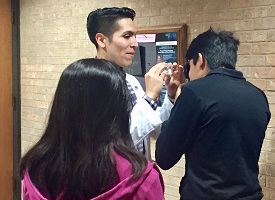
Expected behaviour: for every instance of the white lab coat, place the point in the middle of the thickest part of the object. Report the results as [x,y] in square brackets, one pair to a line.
[145,120]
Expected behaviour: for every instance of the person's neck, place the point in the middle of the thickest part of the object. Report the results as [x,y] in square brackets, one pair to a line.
[101,56]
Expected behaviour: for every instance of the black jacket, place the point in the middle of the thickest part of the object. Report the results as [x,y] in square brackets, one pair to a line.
[219,123]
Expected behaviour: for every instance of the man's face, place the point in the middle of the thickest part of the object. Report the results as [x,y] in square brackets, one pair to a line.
[197,70]
[194,70]
[121,48]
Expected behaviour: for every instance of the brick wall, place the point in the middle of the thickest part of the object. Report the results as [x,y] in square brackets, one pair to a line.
[53,34]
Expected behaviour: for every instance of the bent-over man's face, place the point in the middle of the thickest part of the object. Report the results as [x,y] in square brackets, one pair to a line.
[198,70]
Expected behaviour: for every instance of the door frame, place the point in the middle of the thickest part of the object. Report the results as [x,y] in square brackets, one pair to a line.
[16,97]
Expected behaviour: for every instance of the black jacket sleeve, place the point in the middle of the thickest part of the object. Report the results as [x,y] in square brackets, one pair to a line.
[178,132]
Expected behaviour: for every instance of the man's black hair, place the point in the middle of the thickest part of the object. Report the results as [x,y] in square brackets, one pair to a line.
[104,20]
[218,48]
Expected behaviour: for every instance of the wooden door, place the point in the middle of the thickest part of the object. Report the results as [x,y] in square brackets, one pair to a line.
[6,111]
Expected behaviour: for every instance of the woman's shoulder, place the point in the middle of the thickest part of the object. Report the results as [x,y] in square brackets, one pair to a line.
[148,185]
[123,166]
[150,175]
[29,190]
[152,186]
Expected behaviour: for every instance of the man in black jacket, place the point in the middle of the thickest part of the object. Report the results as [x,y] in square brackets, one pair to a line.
[218,121]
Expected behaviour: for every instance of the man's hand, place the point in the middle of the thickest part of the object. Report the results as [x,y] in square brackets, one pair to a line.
[178,91]
[154,80]
[175,80]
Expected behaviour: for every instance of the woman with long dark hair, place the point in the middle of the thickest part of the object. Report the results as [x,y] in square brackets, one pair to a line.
[86,151]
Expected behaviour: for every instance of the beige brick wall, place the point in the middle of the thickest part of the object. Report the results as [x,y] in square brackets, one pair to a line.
[53,34]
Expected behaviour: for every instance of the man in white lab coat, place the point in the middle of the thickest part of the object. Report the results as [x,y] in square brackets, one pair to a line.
[113,32]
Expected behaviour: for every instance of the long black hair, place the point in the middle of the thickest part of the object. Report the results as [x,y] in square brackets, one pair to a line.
[88,122]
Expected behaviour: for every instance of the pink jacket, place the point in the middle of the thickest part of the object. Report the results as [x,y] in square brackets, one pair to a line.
[149,186]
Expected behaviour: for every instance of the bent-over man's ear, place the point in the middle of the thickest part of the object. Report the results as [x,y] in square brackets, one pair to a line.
[203,62]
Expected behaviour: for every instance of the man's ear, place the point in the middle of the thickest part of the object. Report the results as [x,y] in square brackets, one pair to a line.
[203,65]
[201,61]
[101,40]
